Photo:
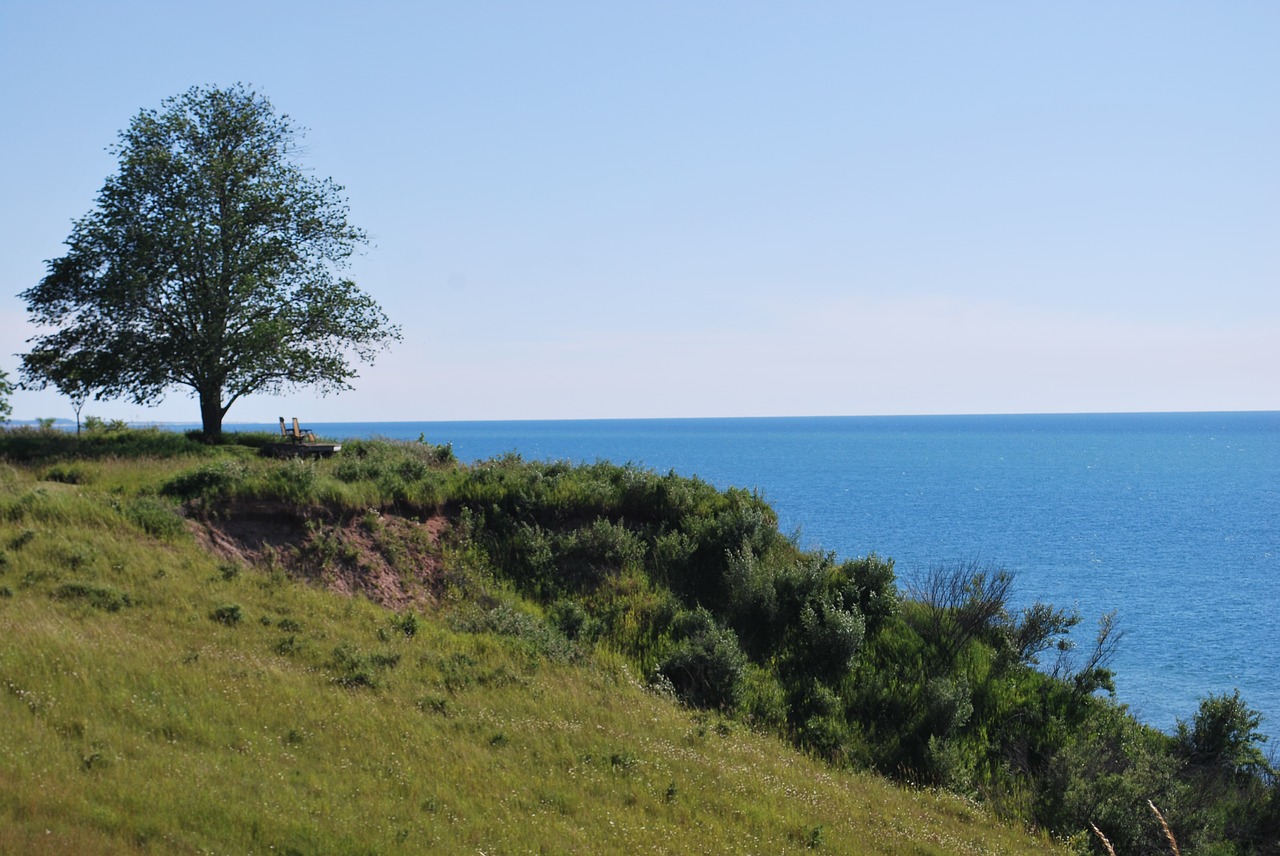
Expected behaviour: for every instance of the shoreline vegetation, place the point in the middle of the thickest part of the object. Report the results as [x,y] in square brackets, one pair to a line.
[390,651]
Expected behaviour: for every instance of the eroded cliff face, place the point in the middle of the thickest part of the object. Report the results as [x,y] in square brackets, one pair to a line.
[394,561]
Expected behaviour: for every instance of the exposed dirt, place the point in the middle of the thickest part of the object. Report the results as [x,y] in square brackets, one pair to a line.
[392,560]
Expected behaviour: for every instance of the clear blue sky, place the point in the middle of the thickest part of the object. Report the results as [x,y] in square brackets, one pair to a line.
[603,209]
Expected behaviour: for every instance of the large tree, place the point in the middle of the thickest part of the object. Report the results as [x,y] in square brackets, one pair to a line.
[211,261]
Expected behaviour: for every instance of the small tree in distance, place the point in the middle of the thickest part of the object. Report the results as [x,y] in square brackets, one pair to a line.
[6,389]
[210,262]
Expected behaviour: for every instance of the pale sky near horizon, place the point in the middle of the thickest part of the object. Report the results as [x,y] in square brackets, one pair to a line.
[593,210]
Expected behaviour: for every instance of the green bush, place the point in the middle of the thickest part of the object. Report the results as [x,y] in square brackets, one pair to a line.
[229,614]
[1222,738]
[536,637]
[97,596]
[155,516]
[209,481]
[294,481]
[571,618]
[407,624]
[706,668]
[115,440]
[68,474]
[355,668]
[251,439]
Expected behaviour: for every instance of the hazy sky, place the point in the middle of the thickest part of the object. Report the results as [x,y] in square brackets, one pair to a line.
[689,208]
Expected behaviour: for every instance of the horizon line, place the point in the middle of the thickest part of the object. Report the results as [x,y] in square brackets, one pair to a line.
[196,423]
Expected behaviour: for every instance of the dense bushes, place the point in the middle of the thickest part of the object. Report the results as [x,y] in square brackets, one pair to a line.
[101,440]
[945,685]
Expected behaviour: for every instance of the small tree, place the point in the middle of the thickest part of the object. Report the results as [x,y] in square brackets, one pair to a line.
[210,262]
[1223,737]
[6,389]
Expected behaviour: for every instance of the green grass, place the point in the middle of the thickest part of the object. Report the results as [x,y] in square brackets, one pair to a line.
[137,715]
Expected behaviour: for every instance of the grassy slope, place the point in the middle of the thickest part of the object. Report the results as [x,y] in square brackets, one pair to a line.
[131,719]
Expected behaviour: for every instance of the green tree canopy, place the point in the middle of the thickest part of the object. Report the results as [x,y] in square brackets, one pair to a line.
[211,262]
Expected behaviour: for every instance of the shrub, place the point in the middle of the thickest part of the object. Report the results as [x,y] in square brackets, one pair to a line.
[1223,736]
[537,639]
[252,439]
[826,640]
[294,481]
[229,614]
[215,480]
[407,624]
[97,596]
[27,444]
[573,620]
[68,474]
[440,454]
[877,594]
[707,667]
[358,669]
[155,516]
[22,539]
[584,555]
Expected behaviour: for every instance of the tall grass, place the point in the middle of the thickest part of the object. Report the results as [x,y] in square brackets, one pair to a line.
[137,715]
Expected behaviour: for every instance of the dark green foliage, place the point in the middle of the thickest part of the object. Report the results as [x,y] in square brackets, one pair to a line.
[571,618]
[408,474]
[875,586]
[949,687]
[98,596]
[6,389]
[1223,735]
[1041,628]
[536,636]
[95,425]
[407,624]
[68,474]
[289,645]
[210,261]
[27,444]
[293,481]
[209,481]
[962,604]
[355,668]
[229,614]
[707,667]
[251,439]
[798,611]
[566,533]
[812,837]
[22,539]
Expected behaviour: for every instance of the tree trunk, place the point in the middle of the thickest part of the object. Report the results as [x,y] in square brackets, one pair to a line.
[211,412]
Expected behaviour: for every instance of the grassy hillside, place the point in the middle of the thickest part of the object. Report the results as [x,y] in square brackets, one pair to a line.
[182,673]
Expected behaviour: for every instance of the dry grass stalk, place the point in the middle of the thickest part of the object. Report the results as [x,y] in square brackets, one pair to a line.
[1103,839]
[1168,833]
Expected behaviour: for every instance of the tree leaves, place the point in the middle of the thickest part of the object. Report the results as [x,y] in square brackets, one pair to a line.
[210,261]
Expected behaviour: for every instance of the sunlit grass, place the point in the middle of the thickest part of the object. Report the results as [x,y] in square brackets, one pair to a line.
[135,715]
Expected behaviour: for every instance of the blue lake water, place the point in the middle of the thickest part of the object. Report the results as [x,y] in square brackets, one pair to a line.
[1172,520]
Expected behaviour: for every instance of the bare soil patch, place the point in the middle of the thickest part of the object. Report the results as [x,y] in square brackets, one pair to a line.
[394,561]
